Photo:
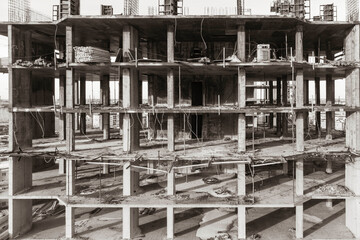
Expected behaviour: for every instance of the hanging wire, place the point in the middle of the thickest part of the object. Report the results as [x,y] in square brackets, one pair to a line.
[201,33]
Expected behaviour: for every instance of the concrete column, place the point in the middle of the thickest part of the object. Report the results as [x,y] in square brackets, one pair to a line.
[70,177]
[130,223]
[170,89]
[330,100]
[241,180]
[271,100]
[20,216]
[352,169]
[130,180]
[299,222]
[105,100]
[241,116]
[284,103]
[278,103]
[20,211]
[241,222]
[83,103]
[317,103]
[62,96]
[76,98]
[20,174]
[170,226]
[241,40]
[170,118]
[62,166]
[299,115]
[306,103]
[20,124]
[171,186]
[299,177]
[70,95]
[299,89]
[130,93]
[69,222]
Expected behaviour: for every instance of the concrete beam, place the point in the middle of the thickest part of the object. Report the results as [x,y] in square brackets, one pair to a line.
[170,88]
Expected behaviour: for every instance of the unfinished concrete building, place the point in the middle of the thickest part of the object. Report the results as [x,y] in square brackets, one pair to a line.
[228,126]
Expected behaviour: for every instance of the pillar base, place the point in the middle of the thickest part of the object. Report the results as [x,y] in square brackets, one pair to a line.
[329,137]
[329,203]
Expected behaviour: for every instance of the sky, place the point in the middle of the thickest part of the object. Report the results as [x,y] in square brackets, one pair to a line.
[193,7]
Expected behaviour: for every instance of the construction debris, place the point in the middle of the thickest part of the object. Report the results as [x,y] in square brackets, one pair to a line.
[334,190]
[91,55]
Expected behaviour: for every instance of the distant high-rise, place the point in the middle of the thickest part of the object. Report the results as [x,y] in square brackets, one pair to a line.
[352,10]
[19,10]
[131,7]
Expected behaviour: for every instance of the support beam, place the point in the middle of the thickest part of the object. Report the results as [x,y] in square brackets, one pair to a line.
[170,226]
[241,222]
[278,103]
[83,102]
[317,103]
[69,222]
[70,177]
[105,100]
[271,101]
[284,103]
[330,100]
